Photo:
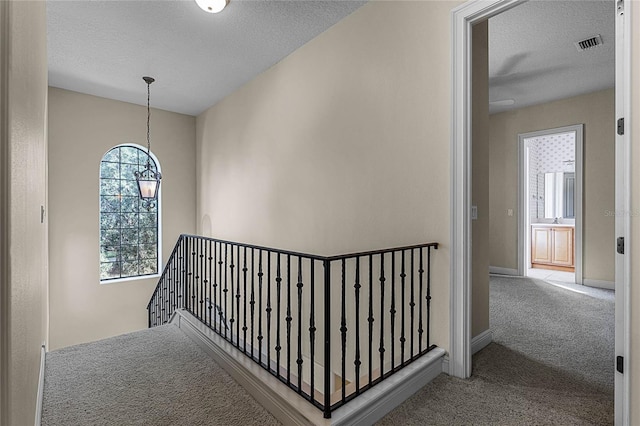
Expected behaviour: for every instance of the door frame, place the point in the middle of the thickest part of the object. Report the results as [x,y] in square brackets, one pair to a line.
[524,238]
[623,209]
[462,19]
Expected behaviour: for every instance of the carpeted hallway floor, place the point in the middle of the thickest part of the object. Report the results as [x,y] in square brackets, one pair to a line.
[551,363]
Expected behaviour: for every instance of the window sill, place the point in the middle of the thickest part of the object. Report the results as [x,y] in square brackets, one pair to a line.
[138,278]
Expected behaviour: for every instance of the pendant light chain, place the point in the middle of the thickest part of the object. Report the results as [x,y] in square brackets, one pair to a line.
[148,121]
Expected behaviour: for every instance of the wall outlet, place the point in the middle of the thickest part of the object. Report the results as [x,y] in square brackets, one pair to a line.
[509,212]
[474,212]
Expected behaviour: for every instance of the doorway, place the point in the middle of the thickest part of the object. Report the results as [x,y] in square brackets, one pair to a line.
[550,221]
[463,18]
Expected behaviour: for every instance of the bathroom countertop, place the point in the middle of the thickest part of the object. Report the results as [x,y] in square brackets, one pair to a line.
[555,225]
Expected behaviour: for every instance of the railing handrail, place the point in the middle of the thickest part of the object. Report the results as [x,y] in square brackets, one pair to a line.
[313,256]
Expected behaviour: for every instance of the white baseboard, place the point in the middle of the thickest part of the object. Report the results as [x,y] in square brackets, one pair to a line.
[287,406]
[445,364]
[480,341]
[502,271]
[609,285]
[40,395]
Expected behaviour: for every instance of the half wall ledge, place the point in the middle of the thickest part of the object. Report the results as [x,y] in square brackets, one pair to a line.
[284,404]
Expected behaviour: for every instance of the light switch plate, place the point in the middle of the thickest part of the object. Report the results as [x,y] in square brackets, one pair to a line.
[474,212]
[509,212]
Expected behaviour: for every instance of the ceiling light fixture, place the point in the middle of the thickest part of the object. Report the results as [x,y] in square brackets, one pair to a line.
[148,179]
[212,6]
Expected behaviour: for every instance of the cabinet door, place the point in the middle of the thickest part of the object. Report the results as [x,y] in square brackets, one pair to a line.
[541,245]
[562,253]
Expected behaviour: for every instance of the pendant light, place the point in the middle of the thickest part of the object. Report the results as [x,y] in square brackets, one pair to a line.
[148,180]
[212,6]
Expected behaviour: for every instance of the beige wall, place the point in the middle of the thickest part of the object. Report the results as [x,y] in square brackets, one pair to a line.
[23,301]
[634,127]
[596,111]
[480,180]
[342,146]
[82,129]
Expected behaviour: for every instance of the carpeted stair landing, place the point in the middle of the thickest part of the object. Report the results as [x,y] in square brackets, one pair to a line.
[151,377]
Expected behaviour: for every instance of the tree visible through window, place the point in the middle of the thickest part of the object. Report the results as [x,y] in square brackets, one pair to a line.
[128,231]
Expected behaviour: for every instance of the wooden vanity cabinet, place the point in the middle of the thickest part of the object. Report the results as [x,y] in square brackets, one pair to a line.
[552,247]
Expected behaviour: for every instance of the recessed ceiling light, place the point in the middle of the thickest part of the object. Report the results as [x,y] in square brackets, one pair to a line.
[212,6]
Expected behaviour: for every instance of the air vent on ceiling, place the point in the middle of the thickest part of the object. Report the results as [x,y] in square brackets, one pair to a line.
[588,43]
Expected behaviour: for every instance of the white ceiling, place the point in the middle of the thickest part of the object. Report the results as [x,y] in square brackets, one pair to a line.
[532,56]
[104,47]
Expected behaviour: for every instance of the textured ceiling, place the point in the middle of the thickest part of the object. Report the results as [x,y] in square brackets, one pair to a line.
[104,47]
[532,56]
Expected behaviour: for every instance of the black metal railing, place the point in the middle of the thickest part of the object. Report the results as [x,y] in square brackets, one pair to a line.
[287,310]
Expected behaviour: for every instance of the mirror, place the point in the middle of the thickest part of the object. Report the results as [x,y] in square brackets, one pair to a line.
[557,195]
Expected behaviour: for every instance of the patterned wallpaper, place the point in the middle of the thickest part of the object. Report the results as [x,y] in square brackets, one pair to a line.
[547,154]
[554,153]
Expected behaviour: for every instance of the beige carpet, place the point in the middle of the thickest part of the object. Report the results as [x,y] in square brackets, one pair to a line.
[551,363]
[151,377]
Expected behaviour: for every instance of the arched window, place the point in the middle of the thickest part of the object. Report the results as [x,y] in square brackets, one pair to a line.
[129,232]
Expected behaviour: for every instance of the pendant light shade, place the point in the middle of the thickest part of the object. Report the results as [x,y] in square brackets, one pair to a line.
[212,6]
[148,179]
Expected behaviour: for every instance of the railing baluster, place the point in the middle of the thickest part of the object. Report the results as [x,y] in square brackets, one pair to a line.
[215,285]
[232,319]
[381,348]
[252,303]
[299,360]
[392,311]
[194,278]
[403,338]
[260,274]
[343,328]
[221,267]
[327,339]
[237,319]
[268,310]
[278,318]
[370,319]
[429,297]
[357,362]
[200,274]
[412,305]
[209,279]
[244,320]
[226,290]
[312,329]
[288,319]
[420,330]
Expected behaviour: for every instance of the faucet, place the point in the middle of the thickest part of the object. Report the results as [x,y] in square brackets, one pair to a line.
[555,221]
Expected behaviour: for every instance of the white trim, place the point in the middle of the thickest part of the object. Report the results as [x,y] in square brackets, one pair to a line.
[5,202]
[40,395]
[498,270]
[609,285]
[445,364]
[623,207]
[524,238]
[481,341]
[462,18]
[287,406]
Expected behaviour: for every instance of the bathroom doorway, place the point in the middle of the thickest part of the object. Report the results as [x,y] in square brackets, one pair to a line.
[550,205]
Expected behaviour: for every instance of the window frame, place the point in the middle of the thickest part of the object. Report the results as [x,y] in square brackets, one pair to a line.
[158,221]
